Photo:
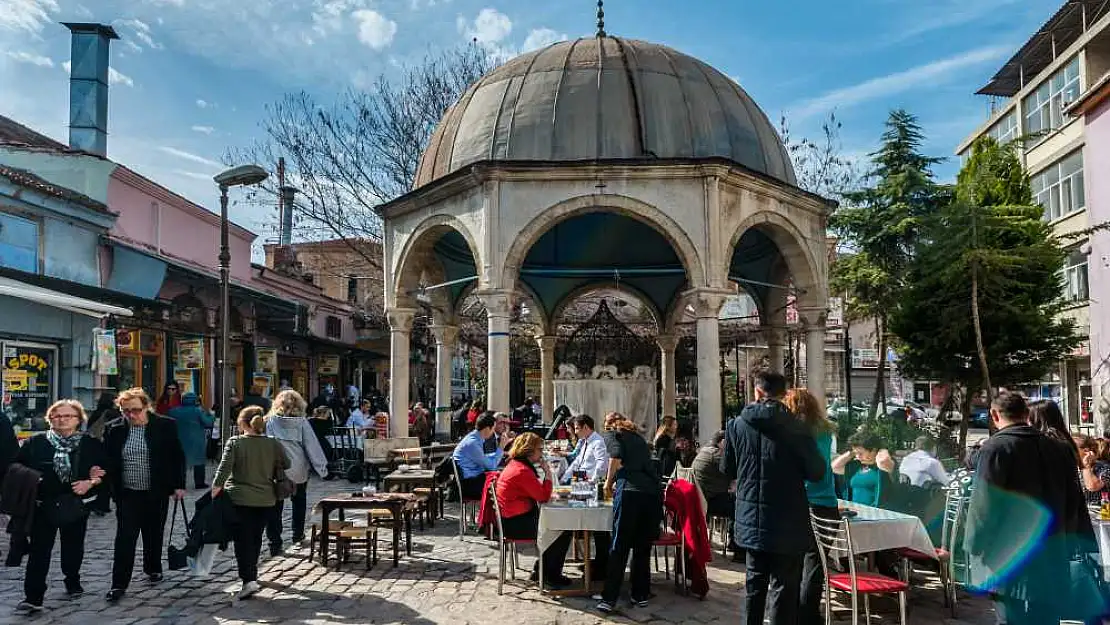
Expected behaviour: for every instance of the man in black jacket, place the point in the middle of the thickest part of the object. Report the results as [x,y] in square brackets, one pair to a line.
[772,455]
[1026,518]
[146,467]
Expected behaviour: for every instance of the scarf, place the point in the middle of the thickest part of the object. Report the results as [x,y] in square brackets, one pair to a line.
[63,448]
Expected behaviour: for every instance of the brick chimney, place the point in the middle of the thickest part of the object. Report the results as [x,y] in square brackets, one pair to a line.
[88,86]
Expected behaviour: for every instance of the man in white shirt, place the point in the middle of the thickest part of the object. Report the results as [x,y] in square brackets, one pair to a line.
[590,454]
[920,467]
[360,418]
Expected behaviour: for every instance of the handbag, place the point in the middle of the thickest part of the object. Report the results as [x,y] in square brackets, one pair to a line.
[283,486]
[177,557]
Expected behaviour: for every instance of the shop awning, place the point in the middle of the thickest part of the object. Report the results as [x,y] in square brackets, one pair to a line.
[40,295]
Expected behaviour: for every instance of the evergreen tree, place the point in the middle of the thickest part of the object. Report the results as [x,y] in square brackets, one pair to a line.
[879,226]
[984,289]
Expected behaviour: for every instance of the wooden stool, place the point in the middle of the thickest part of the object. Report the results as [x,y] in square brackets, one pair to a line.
[352,536]
[334,527]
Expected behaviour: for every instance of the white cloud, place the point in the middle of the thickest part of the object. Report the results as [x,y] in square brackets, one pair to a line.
[139,30]
[27,15]
[330,16]
[203,103]
[204,130]
[541,38]
[28,57]
[192,174]
[117,78]
[490,27]
[374,29]
[922,76]
[189,156]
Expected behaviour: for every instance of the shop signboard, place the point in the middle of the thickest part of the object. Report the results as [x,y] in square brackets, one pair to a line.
[105,361]
[267,360]
[29,381]
[328,365]
[265,381]
[184,379]
[865,359]
[190,353]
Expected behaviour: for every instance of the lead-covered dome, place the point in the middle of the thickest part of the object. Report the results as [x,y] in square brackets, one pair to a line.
[604,98]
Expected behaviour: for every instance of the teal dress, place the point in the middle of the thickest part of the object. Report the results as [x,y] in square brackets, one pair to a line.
[822,493]
[866,486]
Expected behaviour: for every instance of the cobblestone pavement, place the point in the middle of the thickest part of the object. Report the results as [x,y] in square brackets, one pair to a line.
[445,581]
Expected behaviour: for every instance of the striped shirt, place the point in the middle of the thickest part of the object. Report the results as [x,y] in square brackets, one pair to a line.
[136,460]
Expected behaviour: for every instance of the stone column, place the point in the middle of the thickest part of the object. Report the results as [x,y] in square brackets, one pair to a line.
[446,337]
[547,376]
[707,305]
[499,312]
[776,347]
[815,352]
[400,330]
[667,344]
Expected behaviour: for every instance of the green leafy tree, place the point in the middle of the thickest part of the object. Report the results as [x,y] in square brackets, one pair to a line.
[984,289]
[879,227]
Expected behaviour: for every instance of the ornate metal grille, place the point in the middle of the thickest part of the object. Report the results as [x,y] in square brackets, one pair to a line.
[605,340]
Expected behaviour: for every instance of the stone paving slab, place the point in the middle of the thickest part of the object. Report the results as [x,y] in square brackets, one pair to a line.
[446,580]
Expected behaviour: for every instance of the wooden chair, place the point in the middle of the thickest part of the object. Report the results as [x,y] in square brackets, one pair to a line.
[334,527]
[834,539]
[353,536]
[506,547]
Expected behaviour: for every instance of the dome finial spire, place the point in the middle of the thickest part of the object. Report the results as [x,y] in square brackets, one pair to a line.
[601,18]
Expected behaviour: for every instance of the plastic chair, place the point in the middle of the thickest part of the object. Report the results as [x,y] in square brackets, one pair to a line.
[465,503]
[954,507]
[835,538]
[506,547]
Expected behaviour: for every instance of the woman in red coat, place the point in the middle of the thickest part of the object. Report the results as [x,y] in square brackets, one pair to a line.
[519,493]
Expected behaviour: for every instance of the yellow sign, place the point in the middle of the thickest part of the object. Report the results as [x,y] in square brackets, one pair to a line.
[15,380]
[190,354]
[328,365]
[28,361]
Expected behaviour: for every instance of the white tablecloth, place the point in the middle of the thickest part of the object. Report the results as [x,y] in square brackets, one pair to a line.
[875,529]
[1102,532]
[558,517]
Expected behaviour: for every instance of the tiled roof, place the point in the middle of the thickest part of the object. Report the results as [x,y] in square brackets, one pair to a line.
[31,181]
[15,133]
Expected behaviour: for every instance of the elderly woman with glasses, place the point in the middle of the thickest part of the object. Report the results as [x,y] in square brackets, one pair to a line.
[70,464]
[146,467]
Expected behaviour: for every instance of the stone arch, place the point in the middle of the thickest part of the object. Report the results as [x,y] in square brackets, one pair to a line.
[521,288]
[806,269]
[414,256]
[642,297]
[643,212]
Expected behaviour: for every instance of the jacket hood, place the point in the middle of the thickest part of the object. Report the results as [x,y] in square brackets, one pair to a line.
[285,421]
[190,399]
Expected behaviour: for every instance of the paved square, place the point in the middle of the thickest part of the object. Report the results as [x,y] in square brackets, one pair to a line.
[445,581]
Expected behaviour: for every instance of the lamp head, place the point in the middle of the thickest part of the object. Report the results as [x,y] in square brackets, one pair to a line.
[241,176]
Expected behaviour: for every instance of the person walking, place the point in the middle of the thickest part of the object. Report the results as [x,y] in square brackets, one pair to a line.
[246,475]
[772,455]
[192,422]
[633,482]
[1026,516]
[146,467]
[288,424]
[169,399]
[822,498]
[71,467]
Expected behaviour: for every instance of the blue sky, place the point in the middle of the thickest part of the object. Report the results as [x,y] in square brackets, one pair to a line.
[192,77]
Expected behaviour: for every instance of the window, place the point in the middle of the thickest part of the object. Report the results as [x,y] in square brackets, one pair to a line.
[333,328]
[352,290]
[1044,108]
[1076,288]
[19,243]
[1006,129]
[1059,187]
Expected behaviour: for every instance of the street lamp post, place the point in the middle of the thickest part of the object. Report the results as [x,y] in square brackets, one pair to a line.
[242,176]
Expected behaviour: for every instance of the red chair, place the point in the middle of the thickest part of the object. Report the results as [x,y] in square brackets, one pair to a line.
[671,538]
[954,506]
[834,540]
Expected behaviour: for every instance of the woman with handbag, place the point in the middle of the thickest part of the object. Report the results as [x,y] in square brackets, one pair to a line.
[70,464]
[288,425]
[246,475]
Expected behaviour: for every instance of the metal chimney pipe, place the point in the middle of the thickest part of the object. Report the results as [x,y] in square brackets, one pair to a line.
[88,86]
[285,235]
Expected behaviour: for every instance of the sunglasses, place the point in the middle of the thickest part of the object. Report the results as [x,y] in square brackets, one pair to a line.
[132,410]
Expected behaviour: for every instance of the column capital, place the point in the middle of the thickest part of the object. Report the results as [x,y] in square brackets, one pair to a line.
[547,343]
[498,302]
[707,302]
[400,319]
[445,334]
[667,342]
[813,318]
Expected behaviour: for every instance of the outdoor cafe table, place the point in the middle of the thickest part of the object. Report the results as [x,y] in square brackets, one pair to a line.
[558,516]
[400,505]
[876,529]
[406,480]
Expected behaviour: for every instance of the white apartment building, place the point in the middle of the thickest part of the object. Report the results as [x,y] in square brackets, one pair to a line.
[1031,95]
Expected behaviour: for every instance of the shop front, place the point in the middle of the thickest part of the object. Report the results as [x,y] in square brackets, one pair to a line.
[30,378]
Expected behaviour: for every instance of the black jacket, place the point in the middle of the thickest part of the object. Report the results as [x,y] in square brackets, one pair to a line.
[167,459]
[38,454]
[1027,516]
[9,444]
[772,455]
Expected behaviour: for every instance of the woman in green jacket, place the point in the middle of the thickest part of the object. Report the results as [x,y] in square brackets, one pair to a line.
[246,475]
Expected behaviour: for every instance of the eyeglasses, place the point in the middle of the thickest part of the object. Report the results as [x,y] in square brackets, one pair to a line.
[64,415]
[132,410]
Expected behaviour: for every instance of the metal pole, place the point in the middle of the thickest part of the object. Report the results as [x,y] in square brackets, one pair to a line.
[848,368]
[740,397]
[226,419]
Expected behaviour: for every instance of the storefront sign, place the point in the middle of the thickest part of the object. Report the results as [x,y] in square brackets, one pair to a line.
[533,382]
[184,379]
[328,365]
[190,353]
[104,352]
[267,360]
[28,381]
[15,380]
[865,359]
[265,381]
